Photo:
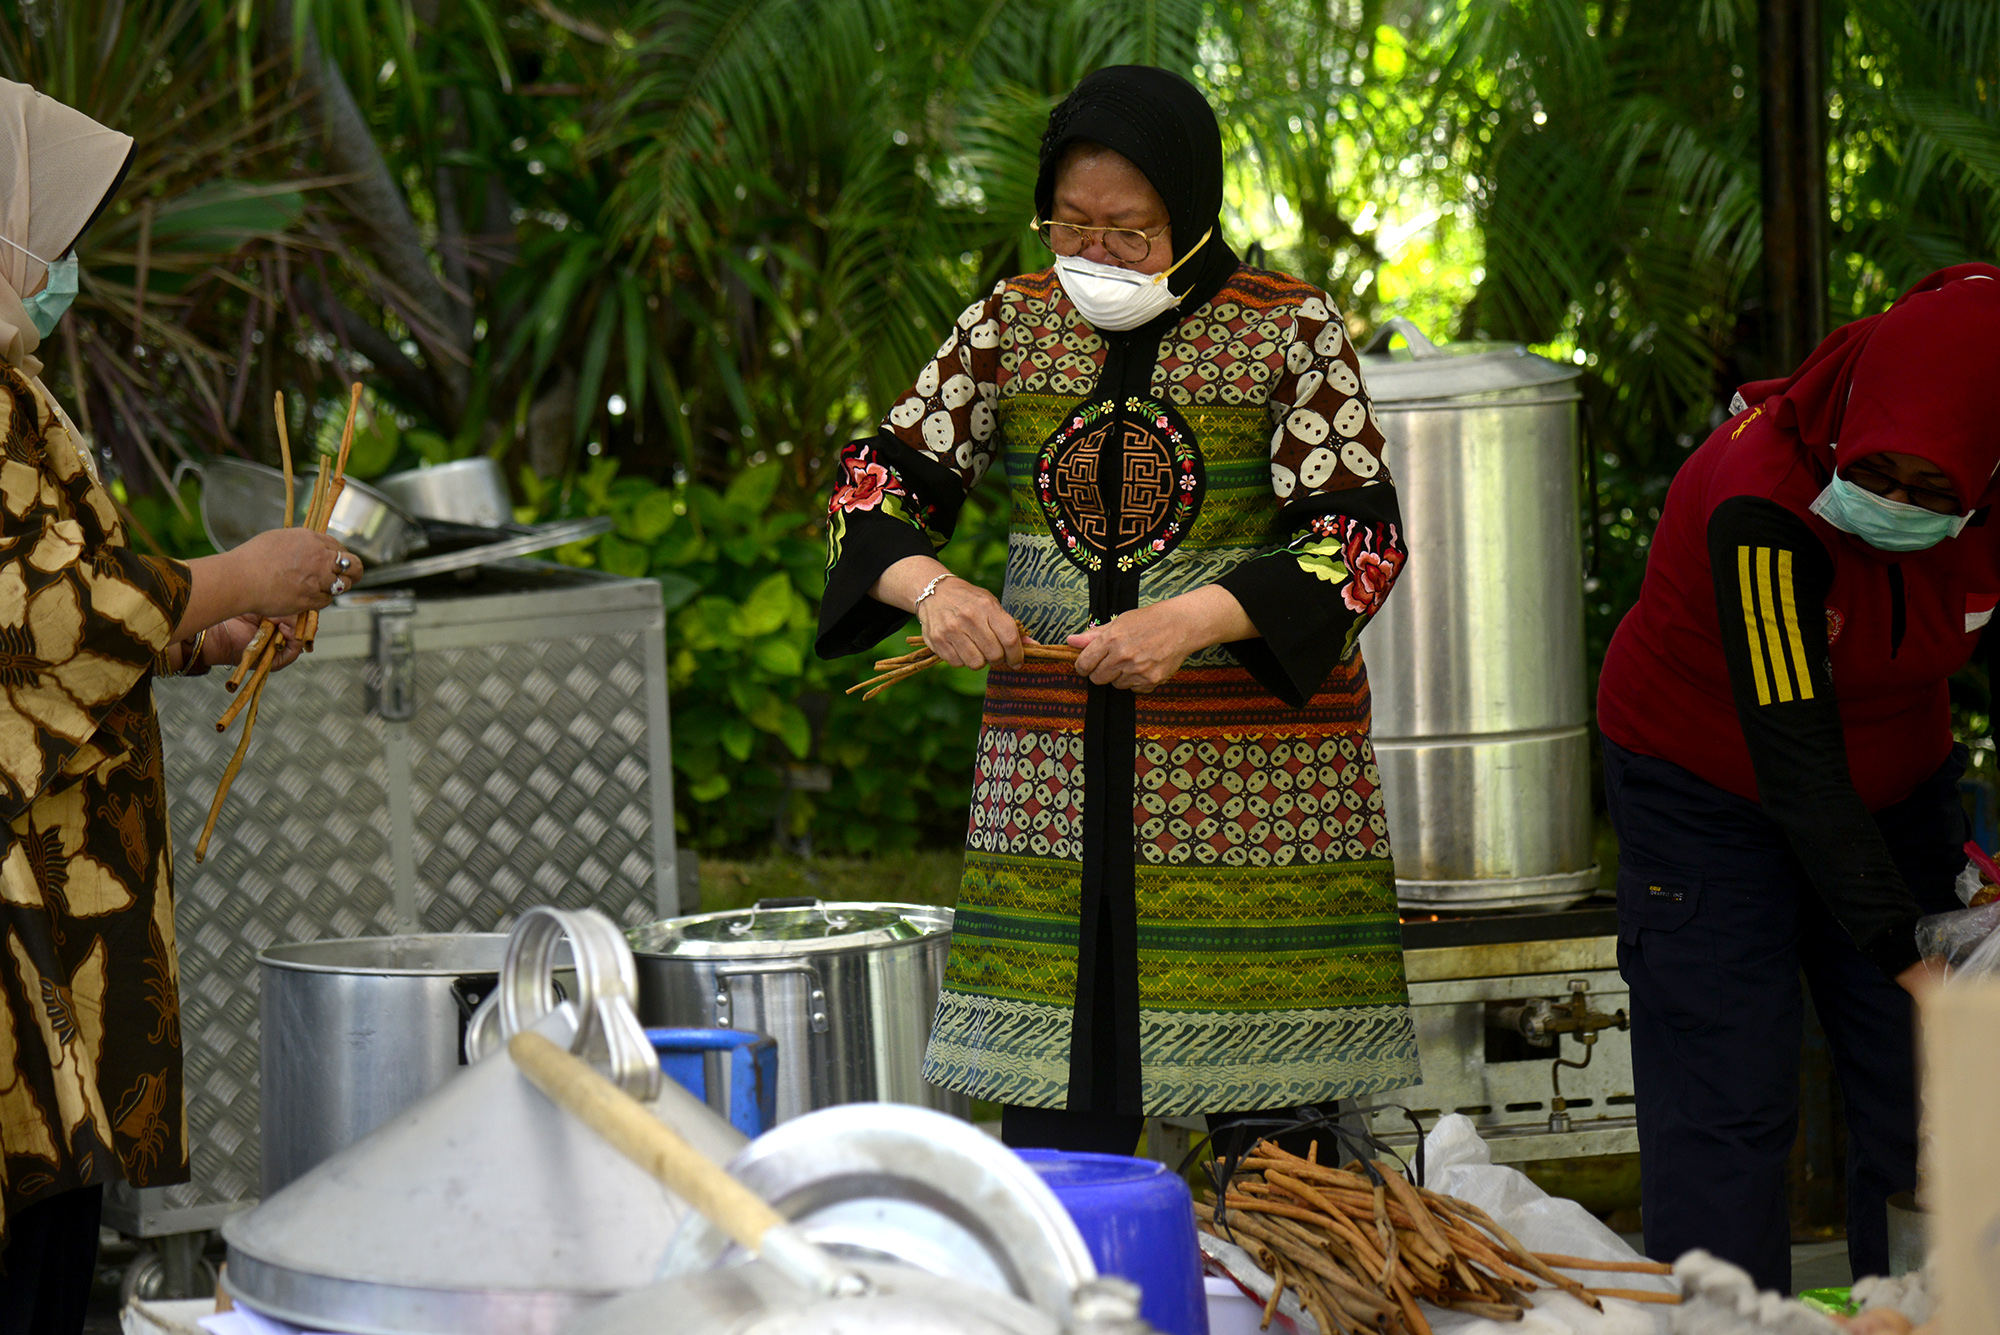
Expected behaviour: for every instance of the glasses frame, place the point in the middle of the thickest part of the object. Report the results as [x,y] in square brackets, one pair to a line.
[1862,475]
[1040,227]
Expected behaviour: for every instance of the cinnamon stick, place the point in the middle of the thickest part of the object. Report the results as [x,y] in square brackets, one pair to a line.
[1639,1296]
[1586,1263]
[257,675]
[229,774]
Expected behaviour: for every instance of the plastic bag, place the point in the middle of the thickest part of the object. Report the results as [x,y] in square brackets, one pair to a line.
[1458,1163]
[1968,940]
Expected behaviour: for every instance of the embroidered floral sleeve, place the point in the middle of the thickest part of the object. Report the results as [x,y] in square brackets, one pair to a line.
[897,493]
[82,617]
[1341,544]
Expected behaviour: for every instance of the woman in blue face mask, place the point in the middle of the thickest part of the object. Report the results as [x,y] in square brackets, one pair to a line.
[1780,767]
[90,1064]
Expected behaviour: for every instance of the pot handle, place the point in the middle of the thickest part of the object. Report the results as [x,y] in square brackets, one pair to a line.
[815,991]
[608,1033]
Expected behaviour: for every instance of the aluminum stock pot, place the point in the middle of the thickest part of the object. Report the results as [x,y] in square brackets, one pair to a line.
[355,1031]
[847,990]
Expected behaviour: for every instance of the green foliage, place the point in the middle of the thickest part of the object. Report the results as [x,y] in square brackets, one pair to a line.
[755,713]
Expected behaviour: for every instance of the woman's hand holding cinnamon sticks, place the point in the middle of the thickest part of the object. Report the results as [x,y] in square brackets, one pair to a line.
[279,639]
[922,657]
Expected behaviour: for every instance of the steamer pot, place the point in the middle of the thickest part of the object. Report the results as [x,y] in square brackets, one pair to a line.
[847,990]
[1475,664]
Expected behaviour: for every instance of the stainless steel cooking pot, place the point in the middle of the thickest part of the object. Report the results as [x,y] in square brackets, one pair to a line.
[240,499]
[847,990]
[352,1032]
[1482,720]
[465,491]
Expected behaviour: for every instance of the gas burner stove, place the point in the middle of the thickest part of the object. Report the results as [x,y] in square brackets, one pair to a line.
[1521,1027]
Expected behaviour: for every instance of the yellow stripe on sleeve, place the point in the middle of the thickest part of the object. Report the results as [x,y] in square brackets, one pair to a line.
[1793,639]
[1767,607]
[1743,587]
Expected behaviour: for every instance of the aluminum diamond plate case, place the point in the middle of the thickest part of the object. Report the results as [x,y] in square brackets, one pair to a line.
[443,760]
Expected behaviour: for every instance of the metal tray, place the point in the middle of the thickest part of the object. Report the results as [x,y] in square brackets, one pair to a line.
[540,538]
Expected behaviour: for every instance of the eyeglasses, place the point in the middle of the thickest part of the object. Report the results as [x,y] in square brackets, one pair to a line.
[1124,243]
[1882,482]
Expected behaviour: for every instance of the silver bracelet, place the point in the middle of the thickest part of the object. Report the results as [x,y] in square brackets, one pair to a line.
[931,588]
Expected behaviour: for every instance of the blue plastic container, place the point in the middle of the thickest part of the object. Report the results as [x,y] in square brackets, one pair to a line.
[749,1098]
[1137,1218]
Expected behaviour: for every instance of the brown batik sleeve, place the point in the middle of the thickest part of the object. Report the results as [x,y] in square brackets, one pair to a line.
[81,620]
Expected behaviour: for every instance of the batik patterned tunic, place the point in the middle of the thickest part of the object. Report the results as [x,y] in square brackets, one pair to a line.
[1180,901]
[90,1065]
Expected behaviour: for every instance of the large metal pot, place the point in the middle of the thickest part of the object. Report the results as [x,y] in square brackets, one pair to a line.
[847,990]
[353,1032]
[1476,662]
[465,491]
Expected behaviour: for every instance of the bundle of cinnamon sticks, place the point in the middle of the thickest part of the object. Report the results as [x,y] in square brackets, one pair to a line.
[904,666]
[1358,1249]
[264,646]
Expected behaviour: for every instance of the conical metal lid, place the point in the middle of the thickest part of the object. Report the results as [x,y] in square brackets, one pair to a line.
[484,1207]
[755,1300]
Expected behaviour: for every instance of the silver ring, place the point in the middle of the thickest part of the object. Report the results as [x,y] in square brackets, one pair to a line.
[339,587]
[342,564]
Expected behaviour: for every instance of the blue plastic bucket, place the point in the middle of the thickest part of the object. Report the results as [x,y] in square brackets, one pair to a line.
[1137,1218]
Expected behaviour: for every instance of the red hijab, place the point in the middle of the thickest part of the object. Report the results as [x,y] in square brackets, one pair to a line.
[1921,378]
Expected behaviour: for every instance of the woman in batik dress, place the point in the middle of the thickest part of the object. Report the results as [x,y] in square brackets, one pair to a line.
[1178,895]
[90,1066]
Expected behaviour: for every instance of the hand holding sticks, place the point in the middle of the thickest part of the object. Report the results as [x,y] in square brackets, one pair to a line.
[262,650]
[904,666]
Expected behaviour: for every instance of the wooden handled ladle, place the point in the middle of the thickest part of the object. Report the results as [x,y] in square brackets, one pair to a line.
[576,1087]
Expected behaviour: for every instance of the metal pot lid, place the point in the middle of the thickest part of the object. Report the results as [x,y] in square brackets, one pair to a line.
[753,1299]
[1423,371]
[789,927]
[886,1181]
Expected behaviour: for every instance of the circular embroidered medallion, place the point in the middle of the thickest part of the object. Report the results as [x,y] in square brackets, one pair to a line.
[1158,488]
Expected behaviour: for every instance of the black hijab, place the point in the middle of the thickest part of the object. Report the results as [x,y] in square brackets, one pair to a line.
[1165,127]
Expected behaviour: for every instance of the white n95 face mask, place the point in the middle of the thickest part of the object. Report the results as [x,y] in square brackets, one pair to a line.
[1118,299]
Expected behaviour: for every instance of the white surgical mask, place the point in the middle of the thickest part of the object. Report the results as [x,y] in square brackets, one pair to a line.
[1118,299]
[1890,526]
[58,291]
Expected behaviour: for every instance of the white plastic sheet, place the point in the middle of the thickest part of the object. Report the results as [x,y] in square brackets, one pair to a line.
[1458,1163]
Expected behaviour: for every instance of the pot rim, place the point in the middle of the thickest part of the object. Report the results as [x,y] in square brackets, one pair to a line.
[669,943]
[275,957]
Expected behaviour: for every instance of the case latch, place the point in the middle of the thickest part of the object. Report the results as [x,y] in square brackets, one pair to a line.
[393,693]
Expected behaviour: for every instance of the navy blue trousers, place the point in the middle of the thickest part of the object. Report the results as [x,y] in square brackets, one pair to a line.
[1716,924]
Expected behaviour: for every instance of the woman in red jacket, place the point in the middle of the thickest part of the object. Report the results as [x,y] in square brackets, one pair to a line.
[1780,768]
